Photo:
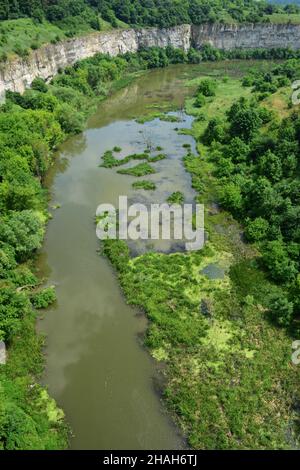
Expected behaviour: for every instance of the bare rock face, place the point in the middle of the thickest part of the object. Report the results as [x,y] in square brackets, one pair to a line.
[18,74]
[246,36]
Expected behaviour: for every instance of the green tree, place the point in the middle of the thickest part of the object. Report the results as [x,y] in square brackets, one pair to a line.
[257,229]
[277,261]
[207,87]
[23,231]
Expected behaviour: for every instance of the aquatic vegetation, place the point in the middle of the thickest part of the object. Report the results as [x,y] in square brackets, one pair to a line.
[158,115]
[148,117]
[156,158]
[109,161]
[170,118]
[176,198]
[144,184]
[141,169]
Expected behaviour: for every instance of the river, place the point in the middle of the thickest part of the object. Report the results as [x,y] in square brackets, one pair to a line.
[96,366]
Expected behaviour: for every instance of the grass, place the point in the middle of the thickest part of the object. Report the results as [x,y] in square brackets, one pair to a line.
[158,115]
[24,35]
[144,184]
[157,158]
[281,18]
[139,170]
[109,161]
[230,381]
[176,198]
[226,94]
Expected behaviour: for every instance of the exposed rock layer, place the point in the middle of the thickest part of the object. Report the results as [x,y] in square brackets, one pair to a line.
[18,73]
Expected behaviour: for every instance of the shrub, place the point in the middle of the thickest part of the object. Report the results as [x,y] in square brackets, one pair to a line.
[207,87]
[44,298]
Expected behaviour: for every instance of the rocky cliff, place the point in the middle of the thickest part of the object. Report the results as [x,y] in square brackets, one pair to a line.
[246,36]
[18,73]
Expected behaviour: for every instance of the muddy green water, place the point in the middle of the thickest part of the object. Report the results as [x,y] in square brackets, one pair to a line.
[96,366]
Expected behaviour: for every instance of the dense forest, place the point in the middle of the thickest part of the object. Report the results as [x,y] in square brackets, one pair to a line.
[67,13]
[257,162]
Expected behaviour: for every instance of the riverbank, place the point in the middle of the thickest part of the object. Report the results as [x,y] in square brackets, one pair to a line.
[32,126]
[230,380]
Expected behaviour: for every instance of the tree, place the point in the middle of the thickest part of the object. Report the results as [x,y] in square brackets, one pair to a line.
[269,165]
[237,150]
[277,261]
[207,87]
[23,231]
[244,121]
[214,132]
[71,122]
[13,306]
[257,229]
[281,309]
[39,85]
[231,197]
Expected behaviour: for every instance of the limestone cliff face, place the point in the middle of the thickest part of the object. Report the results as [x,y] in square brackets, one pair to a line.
[18,73]
[246,36]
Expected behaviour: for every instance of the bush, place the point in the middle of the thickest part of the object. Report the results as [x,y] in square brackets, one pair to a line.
[39,85]
[23,231]
[13,306]
[256,230]
[200,101]
[281,310]
[71,121]
[44,298]
[207,87]
[214,132]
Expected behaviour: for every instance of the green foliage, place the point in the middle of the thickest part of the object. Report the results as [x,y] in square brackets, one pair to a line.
[256,161]
[207,87]
[43,298]
[281,310]
[163,13]
[276,258]
[13,307]
[23,231]
[70,122]
[200,100]
[256,229]
[39,85]
[109,161]
[141,169]
[231,197]
[176,198]
[244,120]
[144,184]
[214,131]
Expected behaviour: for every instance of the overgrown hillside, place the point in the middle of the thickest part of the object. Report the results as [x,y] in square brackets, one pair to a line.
[27,24]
